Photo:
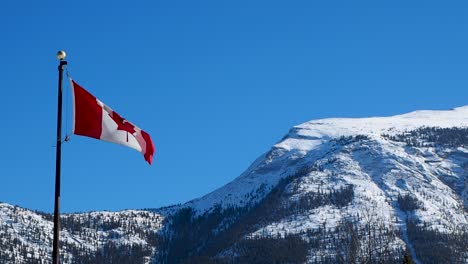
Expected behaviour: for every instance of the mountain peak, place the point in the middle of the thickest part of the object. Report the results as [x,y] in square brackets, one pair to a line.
[307,142]
[457,117]
[335,177]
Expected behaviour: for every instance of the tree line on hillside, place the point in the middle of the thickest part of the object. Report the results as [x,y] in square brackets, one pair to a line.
[102,240]
[433,136]
[433,246]
[408,203]
[108,249]
[206,238]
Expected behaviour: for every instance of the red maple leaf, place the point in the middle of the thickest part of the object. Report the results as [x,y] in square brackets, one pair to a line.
[123,124]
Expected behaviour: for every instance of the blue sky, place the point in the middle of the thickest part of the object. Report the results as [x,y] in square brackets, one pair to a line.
[216,84]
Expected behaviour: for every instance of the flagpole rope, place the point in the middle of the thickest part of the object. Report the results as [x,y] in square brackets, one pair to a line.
[67,103]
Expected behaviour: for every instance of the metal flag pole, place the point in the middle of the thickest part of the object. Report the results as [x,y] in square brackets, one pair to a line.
[55,252]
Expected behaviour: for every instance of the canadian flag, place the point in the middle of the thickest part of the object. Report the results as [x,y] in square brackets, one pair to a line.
[92,118]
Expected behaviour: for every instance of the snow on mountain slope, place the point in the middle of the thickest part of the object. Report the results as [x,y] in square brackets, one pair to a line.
[26,236]
[311,141]
[380,172]
[408,174]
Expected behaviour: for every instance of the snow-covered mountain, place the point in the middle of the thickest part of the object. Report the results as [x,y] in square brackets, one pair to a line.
[314,140]
[341,190]
[26,236]
[407,173]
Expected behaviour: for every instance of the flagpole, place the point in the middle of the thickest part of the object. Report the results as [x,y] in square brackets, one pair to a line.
[55,252]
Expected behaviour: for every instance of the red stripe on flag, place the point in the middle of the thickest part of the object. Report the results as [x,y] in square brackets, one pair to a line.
[88,114]
[149,147]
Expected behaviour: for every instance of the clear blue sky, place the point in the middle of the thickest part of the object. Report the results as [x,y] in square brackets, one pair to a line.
[216,84]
